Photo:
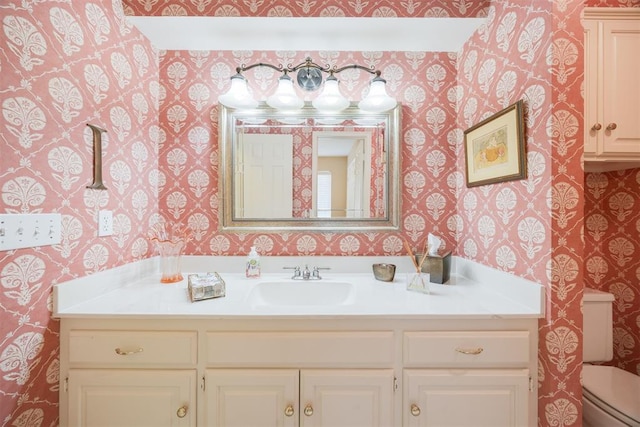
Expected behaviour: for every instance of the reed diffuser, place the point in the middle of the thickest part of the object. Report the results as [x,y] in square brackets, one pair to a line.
[417,281]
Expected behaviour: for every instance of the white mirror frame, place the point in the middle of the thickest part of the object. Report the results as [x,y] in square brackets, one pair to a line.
[227,131]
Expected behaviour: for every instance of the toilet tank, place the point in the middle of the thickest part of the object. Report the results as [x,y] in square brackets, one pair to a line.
[597,310]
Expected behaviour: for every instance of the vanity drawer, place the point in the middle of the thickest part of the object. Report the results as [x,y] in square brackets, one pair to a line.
[91,347]
[370,349]
[466,349]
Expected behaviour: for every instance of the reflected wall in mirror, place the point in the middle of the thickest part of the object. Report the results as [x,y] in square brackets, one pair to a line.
[309,171]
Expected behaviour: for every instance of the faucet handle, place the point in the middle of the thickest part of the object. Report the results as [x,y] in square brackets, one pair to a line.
[316,272]
[296,271]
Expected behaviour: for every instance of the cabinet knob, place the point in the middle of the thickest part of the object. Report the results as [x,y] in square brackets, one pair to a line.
[121,352]
[597,126]
[288,411]
[182,412]
[415,410]
[611,126]
[308,410]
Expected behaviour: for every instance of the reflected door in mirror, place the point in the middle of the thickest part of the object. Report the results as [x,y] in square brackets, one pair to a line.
[344,159]
[264,167]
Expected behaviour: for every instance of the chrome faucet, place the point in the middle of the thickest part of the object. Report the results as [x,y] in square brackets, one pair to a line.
[305,273]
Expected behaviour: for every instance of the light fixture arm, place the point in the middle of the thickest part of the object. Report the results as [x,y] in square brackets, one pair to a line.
[308,63]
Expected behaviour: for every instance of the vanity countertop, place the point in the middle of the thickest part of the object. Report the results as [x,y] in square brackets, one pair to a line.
[135,291]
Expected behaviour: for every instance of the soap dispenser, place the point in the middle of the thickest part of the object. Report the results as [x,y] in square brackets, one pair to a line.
[253,263]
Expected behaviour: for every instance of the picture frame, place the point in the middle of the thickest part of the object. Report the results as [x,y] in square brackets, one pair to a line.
[494,149]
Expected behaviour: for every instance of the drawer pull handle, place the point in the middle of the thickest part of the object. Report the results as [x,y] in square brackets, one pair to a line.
[288,411]
[128,353]
[597,126]
[182,412]
[308,410]
[612,126]
[415,410]
[472,351]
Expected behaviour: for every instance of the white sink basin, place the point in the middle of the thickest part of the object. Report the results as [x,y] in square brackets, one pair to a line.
[302,293]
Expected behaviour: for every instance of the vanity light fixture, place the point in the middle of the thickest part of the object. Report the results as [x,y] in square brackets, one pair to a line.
[309,78]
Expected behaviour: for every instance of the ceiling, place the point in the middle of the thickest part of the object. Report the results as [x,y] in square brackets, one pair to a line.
[306,34]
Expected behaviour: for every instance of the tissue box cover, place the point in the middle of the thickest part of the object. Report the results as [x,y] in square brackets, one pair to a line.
[205,286]
[439,267]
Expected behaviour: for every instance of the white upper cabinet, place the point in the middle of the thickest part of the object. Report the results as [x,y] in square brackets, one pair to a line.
[612,89]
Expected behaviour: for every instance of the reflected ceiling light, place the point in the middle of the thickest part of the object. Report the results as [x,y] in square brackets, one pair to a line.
[328,121]
[253,120]
[309,78]
[368,121]
[291,120]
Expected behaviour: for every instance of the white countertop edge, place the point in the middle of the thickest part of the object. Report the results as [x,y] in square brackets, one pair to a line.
[245,317]
[76,291]
[528,295]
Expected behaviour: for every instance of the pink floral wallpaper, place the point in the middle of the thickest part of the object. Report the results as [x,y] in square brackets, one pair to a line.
[532,227]
[612,3]
[323,8]
[65,64]
[612,264]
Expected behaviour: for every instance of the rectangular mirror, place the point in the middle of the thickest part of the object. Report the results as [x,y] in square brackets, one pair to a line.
[307,170]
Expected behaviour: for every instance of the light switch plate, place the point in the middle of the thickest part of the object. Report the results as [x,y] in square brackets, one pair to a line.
[29,230]
[105,223]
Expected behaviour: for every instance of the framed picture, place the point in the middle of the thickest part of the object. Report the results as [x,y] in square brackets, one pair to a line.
[494,148]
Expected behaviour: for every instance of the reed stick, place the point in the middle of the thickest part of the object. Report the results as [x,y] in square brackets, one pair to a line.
[411,254]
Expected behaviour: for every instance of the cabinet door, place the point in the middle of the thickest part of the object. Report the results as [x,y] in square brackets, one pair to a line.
[592,75]
[251,398]
[132,398]
[479,398]
[341,398]
[621,87]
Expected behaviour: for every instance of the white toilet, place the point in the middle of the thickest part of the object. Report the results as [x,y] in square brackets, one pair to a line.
[611,396]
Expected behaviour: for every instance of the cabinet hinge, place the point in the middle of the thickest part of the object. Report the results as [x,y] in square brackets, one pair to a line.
[395,384]
[530,384]
[203,383]
[65,386]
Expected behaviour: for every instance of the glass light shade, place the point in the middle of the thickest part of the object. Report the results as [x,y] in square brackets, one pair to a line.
[285,97]
[330,100]
[377,100]
[238,95]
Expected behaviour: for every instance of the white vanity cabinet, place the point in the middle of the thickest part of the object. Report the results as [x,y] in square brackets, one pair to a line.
[311,372]
[310,397]
[126,398]
[311,378]
[252,397]
[612,88]
[467,378]
[127,377]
